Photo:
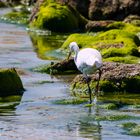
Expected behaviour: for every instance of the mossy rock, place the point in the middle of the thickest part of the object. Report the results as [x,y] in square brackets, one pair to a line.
[115,77]
[114,117]
[2,4]
[62,67]
[113,43]
[131,128]
[133,19]
[135,131]
[109,106]
[20,17]
[132,27]
[66,17]
[10,82]
[71,101]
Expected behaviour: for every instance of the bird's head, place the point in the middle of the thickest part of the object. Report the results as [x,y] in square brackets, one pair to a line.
[73,48]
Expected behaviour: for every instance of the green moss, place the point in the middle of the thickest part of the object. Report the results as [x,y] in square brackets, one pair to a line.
[135,131]
[12,98]
[109,106]
[136,106]
[16,17]
[43,82]
[131,128]
[54,13]
[125,59]
[71,101]
[128,125]
[14,85]
[88,105]
[43,69]
[121,98]
[111,43]
[133,27]
[114,117]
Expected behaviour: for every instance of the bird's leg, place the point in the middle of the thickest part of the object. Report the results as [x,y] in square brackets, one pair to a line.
[97,85]
[89,91]
[88,79]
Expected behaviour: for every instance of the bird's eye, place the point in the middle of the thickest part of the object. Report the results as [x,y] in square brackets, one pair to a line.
[80,46]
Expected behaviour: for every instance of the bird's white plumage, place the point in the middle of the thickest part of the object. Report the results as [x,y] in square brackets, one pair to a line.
[87,60]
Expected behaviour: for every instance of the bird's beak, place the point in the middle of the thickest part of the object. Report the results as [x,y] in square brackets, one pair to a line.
[69,55]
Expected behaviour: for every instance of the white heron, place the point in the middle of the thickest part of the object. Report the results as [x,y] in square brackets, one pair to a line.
[88,61]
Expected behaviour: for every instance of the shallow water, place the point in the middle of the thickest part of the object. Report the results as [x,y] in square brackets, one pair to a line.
[35,116]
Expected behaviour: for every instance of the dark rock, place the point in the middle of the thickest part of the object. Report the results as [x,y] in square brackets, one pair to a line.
[106,9]
[63,67]
[98,25]
[113,9]
[10,82]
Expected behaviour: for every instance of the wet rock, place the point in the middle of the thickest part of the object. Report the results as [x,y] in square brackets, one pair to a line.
[62,67]
[10,82]
[115,77]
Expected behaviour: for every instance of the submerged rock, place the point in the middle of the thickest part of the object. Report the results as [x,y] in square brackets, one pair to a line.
[115,77]
[10,82]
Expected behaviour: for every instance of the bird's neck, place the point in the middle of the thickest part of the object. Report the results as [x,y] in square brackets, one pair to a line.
[76,53]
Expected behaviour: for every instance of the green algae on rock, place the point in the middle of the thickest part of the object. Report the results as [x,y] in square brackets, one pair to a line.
[10,82]
[115,77]
[131,128]
[66,17]
[109,106]
[63,67]
[73,101]
[113,43]
[18,17]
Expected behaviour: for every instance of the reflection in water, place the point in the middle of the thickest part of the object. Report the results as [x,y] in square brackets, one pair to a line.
[88,128]
[8,105]
[45,45]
